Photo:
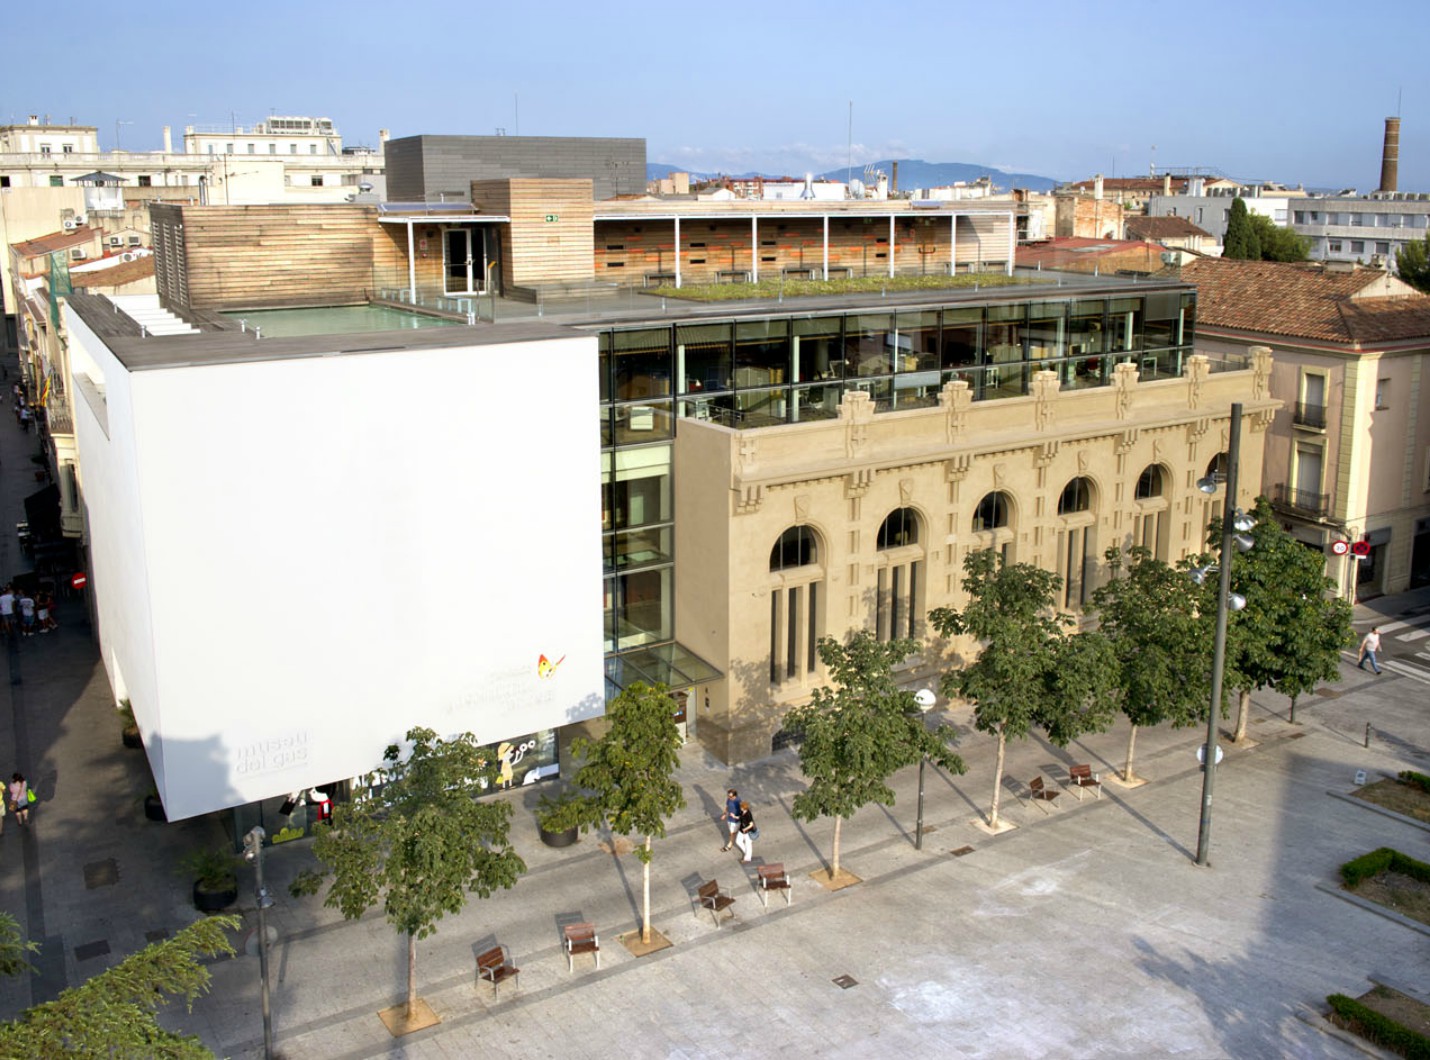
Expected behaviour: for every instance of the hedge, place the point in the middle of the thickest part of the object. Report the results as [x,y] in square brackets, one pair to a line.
[1419,780]
[1378,861]
[1379,1029]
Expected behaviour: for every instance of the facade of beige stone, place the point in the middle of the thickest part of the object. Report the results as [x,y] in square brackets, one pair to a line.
[864,521]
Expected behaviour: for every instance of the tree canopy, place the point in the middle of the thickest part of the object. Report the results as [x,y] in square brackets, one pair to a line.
[1147,610]
[1278,242]
[1412,263]
[1031,670]
[627,778]
[423,842]
[1241,241]
[859,730]
[114,1013]
[1291,632]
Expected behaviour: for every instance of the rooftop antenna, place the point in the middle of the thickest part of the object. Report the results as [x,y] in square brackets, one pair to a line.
[1152,163]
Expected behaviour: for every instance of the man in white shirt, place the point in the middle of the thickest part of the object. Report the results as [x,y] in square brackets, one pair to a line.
[7,610]
[1369,648]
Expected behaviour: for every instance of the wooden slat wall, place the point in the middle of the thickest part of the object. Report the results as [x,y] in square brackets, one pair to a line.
[252,256]
[536,251]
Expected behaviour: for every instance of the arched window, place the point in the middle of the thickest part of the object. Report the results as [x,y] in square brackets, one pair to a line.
[898,597]
[796,547]
[1149,484]
[1217,468]
[1077,546]
[796,595]
[1077,497]
[1151,520]
[899,529]
[992,512]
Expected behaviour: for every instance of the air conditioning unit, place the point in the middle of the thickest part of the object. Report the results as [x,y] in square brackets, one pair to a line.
[78,253]
[70,224]
[134,241]
[81,219]
[126,256]
[115,241]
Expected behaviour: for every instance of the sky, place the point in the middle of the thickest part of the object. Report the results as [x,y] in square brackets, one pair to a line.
[1294,92]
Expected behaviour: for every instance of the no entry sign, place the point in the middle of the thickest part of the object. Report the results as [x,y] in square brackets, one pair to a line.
[79,580]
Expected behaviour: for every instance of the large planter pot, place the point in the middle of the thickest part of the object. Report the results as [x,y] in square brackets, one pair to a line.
[132,738]
[563,838]
[154,809]
[211,900]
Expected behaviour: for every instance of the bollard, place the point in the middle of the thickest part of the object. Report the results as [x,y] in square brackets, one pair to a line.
[1367,734]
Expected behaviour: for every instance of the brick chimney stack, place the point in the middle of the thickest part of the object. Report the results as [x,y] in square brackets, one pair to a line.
[1390,156]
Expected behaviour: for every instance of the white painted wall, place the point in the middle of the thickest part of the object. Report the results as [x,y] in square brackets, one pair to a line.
[296,561]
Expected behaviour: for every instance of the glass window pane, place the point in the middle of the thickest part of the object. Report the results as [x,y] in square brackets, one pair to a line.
[816,349]
[640,548]
[640,487]
[761,408]
[647,422]
[917,341]
[815,402]
[762,353]
[643,607]
[643,363]
[962,345]
[868,344]
[702,353]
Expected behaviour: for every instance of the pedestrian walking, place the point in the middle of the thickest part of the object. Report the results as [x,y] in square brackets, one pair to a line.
[1369,648]
[7,610]
[20,797]
[748,833]
[26,604]
[732,817]
[45,611]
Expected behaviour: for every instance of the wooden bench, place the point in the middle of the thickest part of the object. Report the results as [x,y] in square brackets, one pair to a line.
[1081,776]
[659,278]
[1040,793]
[715,900]
[733,275]
[773,878]
[581,938]
[806,271]
[495,965]
[847,271]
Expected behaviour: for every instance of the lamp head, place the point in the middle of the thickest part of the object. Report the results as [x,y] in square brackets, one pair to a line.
[925,698]
[1241,522]
[1208,483]
[1235,601]
[1243,542]
[1199,574]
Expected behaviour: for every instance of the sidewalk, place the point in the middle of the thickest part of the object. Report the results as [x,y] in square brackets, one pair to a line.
[1086,930]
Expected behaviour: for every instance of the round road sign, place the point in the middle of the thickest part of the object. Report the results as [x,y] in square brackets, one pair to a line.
[79,581]
[1361,548]
[1340,548]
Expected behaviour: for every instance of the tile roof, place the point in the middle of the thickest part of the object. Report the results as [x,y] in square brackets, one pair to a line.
[1305,300]
[48,244]
[115,275]
[1155,228]
[1064,252]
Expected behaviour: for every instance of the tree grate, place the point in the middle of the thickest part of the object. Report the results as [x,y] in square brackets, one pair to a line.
[844,982]
[961,851]
[90,950]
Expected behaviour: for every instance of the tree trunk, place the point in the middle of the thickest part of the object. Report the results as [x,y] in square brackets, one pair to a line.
[1243,712]
[1131,746]
[645,895]
[1293,710]
[997,780]
[411,973]
[834,865]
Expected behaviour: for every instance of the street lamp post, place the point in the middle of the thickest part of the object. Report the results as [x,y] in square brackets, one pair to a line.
[253,851]
[924,697]
[1228,548]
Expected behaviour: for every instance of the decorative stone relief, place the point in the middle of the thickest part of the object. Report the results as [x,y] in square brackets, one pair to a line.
[858,481]
[1045,395]
[1124,381]
[956,398]
[856,410]
[1127,441]
[1260,371]
[1046,453]
[955,468]
[1198,368]
[906,492]
[748,497]
[801,509]
[1197,428]
[1082,461]
[749,452]
[1000,476]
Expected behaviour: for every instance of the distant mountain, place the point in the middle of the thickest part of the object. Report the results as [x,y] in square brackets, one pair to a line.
[913,173]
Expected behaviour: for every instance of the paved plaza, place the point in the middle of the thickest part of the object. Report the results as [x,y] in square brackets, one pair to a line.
[1085,931]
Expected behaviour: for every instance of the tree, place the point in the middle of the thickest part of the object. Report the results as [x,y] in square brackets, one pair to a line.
[1412,263]
[626,779]
[1031,670]
[1291,632]
[15,949]
[859,732]
[422,842]
[1148,613]
[113,1014]
[1240,241]
[1278,242]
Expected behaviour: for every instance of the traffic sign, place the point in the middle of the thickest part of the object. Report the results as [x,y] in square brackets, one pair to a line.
[1340,548]
[79,580]
[1361,548]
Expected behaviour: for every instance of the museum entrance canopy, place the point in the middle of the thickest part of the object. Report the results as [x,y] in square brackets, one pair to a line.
[672,665]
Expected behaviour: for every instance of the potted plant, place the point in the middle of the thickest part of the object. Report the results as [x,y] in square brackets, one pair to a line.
[556,821]
[154,807]
[215,878]
[129,727]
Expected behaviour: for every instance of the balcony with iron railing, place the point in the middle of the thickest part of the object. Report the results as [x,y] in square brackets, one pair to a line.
[1308,414]
[1302,501]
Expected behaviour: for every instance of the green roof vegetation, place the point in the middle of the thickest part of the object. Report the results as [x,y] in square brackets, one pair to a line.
[775,288]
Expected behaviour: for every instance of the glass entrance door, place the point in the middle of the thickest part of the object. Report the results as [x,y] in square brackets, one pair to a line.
[463,260]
